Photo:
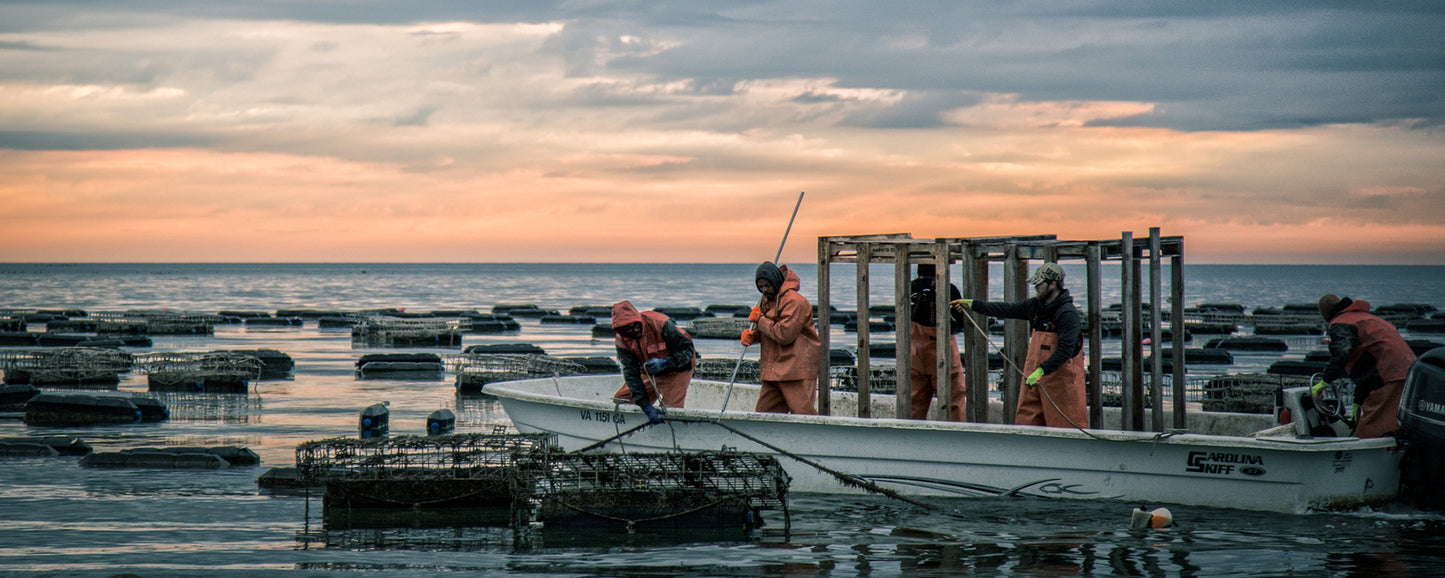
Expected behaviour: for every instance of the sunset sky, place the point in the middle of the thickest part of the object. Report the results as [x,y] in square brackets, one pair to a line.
[634,131]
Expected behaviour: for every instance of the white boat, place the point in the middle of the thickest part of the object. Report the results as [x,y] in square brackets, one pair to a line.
[1274,471]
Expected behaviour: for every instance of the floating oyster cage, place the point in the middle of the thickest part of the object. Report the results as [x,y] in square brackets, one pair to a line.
[401,332]
[718,369]
[156,322]
[676,489]
[216,371]
[455,455]
[68,365]
[532,481]
[719,327]
[201,363]
[473,370]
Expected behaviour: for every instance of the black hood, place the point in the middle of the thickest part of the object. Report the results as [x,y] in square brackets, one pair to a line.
[770,272]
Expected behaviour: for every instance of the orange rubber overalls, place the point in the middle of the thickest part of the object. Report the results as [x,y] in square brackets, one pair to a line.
[1065,387]
[922,372]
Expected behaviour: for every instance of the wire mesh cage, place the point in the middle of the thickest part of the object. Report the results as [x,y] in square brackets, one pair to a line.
[175,367]
[400,332]
[759,477]
[455,455]
[719,327]
[881,379]
[1247,392]
[161,322]
[719,369]
[693,489]
[473,370]
[67,365]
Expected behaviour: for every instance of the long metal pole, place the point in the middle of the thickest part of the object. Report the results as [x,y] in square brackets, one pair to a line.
[744,352]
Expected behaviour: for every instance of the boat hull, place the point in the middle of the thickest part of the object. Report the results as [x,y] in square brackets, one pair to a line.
[930,458]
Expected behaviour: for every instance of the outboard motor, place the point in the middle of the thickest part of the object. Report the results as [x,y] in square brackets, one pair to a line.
[1422,430]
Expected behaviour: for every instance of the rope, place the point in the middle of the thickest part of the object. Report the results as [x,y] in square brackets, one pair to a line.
[1045,390]
[609,440]
[842,477]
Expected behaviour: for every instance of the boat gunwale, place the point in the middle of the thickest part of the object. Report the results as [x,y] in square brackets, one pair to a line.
[530,390]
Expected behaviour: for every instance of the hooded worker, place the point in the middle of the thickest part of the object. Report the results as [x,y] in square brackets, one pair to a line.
[923,344]
[1055,362]
[649,341]
[789,343]
[1371,352]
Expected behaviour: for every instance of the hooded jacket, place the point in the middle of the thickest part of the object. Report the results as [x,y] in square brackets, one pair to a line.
[788,338]
[660,339]
[1366,348]
[1057,316]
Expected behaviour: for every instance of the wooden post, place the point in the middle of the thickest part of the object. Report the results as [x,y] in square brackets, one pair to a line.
[1136,320]
[902,309]
[1176,324]
[825,403]
[1156,317]
[1016,331]
[942,330]
[865,256]
[1096,334]
[1132,415]
[975,345]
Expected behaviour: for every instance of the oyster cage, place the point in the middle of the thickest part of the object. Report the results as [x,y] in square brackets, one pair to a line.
[692,489]
[69,365]
[719,327]
[474,370]
[201,371]
[397,332]
[454,455]
[526,480]
[719,369]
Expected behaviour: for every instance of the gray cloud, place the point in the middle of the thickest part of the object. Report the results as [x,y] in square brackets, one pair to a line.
[1208,66]
[69,141]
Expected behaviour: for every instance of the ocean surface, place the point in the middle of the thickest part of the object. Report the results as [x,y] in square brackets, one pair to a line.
[60,519]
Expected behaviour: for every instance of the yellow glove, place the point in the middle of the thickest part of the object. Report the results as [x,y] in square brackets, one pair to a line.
[1355,412]
[961,305]
[1033,378]
[1318,387]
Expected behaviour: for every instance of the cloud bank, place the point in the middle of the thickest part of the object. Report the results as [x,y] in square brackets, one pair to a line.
[638,131]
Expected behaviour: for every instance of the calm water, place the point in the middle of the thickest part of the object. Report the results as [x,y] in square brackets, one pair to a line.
[61,520]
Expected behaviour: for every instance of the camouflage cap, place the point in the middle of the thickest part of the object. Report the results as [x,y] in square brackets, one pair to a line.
[1047,272]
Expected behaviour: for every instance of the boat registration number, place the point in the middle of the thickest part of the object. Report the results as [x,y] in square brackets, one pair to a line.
[616,417]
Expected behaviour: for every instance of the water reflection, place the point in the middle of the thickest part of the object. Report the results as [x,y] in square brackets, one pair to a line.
[212,407]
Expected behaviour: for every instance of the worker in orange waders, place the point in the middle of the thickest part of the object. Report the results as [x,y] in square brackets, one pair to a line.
[923,347]
[789,343]
[649,341]
[1371,352]
[1055,362]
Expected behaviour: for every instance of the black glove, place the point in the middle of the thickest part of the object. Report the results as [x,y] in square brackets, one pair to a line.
[654,415]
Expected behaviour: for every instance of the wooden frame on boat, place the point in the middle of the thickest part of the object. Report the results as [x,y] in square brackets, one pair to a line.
[973,255]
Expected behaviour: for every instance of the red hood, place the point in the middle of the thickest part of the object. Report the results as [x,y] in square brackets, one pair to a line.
[624,314]
[790,280]
[1359,306]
